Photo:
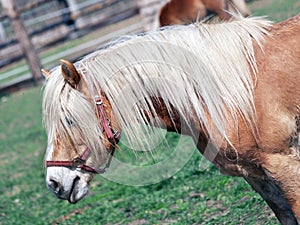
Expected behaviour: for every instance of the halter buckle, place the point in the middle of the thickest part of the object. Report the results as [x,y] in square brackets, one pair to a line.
[78,162]
[98,100]
[117,135]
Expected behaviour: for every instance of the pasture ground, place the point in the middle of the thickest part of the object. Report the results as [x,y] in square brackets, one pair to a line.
[191,196]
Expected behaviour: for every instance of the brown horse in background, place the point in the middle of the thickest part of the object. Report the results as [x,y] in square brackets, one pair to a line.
[188,11]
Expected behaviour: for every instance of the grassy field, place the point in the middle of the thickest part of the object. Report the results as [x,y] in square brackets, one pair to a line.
[190,196]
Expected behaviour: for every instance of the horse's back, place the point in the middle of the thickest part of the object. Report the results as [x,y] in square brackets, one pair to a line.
[287,30]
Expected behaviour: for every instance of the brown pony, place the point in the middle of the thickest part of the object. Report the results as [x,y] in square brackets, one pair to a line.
[188,11]
[238,99]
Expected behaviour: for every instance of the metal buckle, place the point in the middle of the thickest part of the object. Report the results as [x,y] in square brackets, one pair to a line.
[98,100]
[77,162]
[117,135]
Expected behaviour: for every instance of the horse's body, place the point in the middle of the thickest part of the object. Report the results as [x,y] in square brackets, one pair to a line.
[188,11]
[243,99]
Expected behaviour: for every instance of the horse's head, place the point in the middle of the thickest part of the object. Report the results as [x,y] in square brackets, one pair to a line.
[80,126]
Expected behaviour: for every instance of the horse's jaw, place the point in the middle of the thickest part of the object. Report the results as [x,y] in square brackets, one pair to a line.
[67,184]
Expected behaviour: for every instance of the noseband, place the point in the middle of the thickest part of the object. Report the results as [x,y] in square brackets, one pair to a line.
[79,162]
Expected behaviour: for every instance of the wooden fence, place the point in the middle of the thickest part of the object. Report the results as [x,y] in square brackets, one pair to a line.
[64,19]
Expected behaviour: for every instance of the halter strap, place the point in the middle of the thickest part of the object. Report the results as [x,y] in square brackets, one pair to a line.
[79,162]
[112,136]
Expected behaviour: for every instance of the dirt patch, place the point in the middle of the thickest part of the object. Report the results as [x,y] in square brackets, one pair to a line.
[69,215]
[139,222]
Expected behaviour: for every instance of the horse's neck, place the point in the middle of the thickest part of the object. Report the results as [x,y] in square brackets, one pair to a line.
[170,122]
[174,122]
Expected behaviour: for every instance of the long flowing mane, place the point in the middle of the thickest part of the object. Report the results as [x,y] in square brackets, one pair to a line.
[200,69]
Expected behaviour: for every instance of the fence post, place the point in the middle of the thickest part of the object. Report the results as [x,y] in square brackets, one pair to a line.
[2,32]
[25,43]
[149,11]
[74,10]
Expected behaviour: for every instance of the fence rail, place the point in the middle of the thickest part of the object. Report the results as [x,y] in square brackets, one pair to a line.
[63,23]
[70,54]
[67,22]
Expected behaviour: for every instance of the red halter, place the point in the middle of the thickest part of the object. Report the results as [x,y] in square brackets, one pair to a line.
[79,162]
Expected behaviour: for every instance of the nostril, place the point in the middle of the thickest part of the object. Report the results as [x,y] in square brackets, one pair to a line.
[55,186]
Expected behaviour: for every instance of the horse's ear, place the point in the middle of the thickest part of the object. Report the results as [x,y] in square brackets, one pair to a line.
[70,73]
[46,73]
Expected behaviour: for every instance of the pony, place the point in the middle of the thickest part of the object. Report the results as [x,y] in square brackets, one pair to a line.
[188,11]
[239,95]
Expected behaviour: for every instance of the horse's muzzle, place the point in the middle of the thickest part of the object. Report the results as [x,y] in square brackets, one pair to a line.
[72,187]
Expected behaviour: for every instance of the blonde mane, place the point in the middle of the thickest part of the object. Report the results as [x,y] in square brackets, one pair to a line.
[201,69]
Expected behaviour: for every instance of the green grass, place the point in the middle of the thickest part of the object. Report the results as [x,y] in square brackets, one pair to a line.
[276,10]
[190,196]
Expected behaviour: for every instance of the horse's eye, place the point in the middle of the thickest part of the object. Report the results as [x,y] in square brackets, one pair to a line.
[70,121]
